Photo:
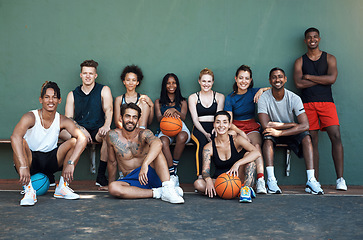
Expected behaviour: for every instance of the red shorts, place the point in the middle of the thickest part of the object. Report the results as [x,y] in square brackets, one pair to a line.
[248,125]
[321,115]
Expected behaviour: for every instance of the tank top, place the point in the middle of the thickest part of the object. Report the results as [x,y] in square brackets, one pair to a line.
[203,111]
[88,111]
[123,101]
[222,166]
[41,139]
[317,93]
[164,107]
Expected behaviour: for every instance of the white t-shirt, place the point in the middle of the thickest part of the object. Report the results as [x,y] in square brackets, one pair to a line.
[41,139]
[281,111]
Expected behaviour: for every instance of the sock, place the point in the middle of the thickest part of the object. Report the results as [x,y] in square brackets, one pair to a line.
[171,170]
[102,168]
[175,164]
[260,175]
[270,173]
[61,181]
[310,174]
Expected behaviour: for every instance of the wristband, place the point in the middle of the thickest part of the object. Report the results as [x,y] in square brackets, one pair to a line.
[23,167]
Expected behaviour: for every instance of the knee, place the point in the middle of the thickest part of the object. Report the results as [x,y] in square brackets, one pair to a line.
[182,137]
[199,184]
[114,189]
[165,142]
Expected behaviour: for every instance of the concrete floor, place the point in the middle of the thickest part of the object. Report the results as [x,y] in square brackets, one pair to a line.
[292,215]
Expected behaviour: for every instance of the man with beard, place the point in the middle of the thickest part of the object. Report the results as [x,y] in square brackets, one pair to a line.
[136,152]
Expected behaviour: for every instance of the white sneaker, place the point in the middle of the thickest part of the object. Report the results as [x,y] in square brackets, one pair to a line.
[341,185]
[30,197]
[179,191]
[272,187]
[169,194]
[175,180]
[313,187]
[65,192]
[158,191]
[261,186]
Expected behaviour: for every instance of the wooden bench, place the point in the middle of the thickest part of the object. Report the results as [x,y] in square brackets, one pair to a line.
[92,152]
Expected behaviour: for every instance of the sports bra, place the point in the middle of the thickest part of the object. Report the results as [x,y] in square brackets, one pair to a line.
[222,166]
[123,101]
[203,111]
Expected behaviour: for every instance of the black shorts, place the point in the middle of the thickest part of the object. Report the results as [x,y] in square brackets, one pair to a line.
[45,162]
[293,142]
[93,134]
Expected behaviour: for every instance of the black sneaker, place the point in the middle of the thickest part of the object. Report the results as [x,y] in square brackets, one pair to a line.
[51,180]
[101,180]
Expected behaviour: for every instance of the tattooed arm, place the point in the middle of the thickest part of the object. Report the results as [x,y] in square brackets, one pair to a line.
[209,187]
[154,150]
[112,163]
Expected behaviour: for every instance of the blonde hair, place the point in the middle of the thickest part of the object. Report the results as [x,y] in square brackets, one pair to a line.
[206,71]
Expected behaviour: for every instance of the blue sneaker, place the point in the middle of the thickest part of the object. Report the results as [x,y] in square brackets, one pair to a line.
[245,195]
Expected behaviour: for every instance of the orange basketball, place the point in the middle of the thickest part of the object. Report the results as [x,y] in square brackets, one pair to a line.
[227,186]
[171,126]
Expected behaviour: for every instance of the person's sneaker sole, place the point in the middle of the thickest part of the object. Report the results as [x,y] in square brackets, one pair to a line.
[309,190]
[28,204]
[63,197]
[273,192]
[175,201]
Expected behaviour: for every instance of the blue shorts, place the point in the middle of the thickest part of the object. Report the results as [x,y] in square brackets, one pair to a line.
[133,179]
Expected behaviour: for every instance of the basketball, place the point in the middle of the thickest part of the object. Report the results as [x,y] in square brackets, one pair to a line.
[171,126]
[40,183]
[227,187]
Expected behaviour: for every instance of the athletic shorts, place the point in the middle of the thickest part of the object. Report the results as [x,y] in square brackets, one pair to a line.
[171,139]
[321,115]
[93,134]
[45,162]
[248,125]
[293,142]
[133,179]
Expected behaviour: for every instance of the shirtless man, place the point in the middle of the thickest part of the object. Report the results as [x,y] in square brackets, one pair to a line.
[315,72]
[90,106]
[137,153]
[34,142]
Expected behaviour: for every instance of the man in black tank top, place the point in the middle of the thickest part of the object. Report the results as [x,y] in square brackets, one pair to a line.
[314,73]
[90,106]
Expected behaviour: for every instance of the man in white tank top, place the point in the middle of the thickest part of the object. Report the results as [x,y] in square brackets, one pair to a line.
[34,142]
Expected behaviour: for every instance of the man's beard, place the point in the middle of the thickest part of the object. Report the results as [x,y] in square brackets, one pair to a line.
[129,130]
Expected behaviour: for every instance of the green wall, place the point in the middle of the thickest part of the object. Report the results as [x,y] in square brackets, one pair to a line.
[47,40]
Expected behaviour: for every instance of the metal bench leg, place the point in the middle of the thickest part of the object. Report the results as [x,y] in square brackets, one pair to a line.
[92,150]
[288,157]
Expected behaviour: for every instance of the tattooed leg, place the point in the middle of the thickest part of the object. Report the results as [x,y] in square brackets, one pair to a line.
[250,173]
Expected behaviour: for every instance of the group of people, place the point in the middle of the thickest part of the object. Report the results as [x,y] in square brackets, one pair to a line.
[142,165]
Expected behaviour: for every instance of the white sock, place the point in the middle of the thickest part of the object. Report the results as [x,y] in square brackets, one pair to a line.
[61,181]
[270,173]
[310,174]
[157,192]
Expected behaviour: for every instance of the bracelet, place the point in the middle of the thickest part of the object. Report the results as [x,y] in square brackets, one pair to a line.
[24,167]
